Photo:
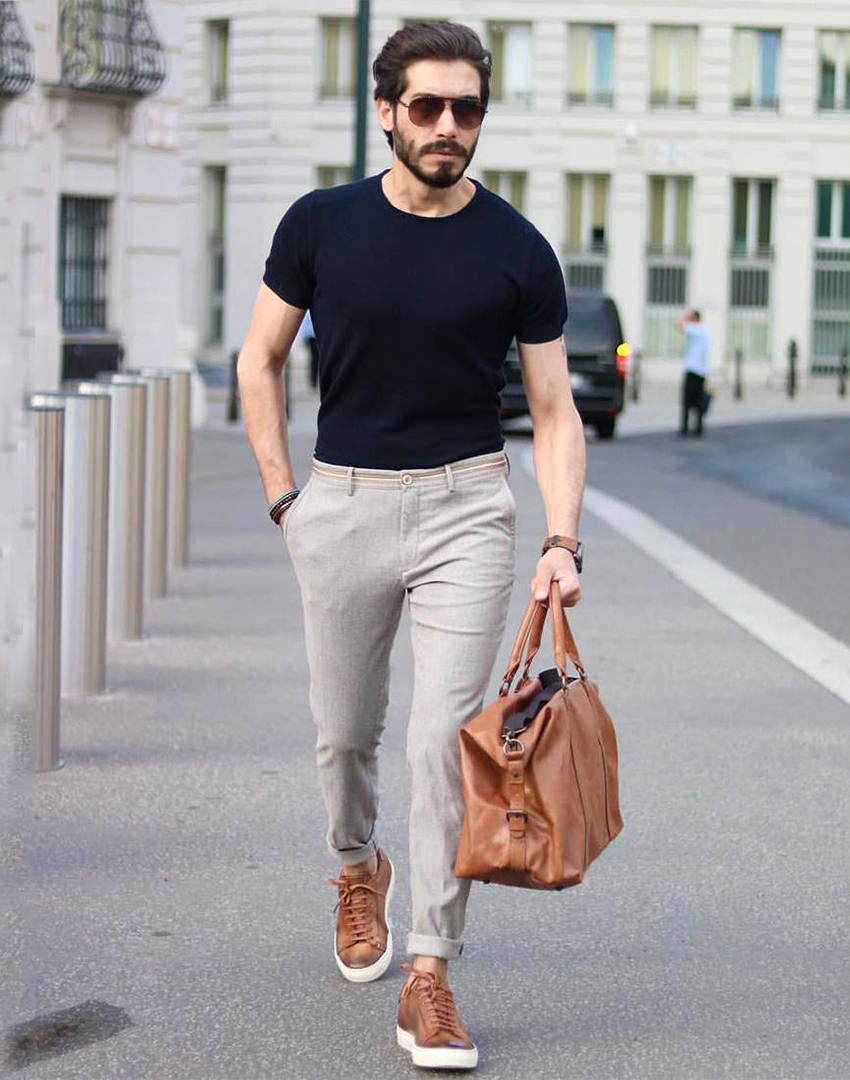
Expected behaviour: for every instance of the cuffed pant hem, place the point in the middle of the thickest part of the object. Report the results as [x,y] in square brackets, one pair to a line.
[441,947]
[352,856]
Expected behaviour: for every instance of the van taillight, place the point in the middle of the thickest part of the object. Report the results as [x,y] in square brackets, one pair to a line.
[624,353]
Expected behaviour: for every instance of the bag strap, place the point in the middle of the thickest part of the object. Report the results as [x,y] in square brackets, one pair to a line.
[562,636]
[529,636]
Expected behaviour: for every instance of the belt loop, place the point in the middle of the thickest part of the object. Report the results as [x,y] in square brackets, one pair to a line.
[450,480]
[350,479]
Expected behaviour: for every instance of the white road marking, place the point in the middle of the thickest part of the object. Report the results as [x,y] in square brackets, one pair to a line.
[795,639]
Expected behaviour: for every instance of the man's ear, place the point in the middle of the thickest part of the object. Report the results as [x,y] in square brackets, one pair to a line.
[384,109]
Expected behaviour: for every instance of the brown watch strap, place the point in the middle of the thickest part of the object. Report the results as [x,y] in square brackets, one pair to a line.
[565,542]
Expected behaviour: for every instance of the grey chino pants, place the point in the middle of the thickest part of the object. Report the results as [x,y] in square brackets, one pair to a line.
[361,540]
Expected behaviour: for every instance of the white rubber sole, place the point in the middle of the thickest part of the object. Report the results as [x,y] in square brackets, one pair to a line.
[376,970]
[436,1057]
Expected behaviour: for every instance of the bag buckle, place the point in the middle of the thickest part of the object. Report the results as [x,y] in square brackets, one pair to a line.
[512,746]
[516,813]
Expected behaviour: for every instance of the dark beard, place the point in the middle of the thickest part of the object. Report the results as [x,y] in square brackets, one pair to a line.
[445,176]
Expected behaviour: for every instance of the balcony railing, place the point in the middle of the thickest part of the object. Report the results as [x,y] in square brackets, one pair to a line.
[662,99]
[750,301]
[591,97]
[830,308]
[15,53]
[110,46]
[584,269]
[667,270]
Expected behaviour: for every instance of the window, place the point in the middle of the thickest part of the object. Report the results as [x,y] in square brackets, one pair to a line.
[833,210]
[750,276]
[752,216]
[510,44]
[591,64]
[834,90]
[338,57]
[669,214]
[674,66]
[755,62]
[216,199]
[83,262]
[587,230]
[667,262]
[587,212]
[510,185]
[328,176]
[217,48]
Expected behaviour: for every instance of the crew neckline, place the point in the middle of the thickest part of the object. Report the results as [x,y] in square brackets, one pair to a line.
[408,216]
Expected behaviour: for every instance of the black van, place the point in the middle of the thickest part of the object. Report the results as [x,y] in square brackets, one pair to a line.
[598,357]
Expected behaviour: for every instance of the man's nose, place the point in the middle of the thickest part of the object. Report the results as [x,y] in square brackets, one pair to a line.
[446,125]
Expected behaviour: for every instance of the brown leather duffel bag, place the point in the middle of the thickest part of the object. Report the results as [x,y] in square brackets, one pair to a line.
[539,769]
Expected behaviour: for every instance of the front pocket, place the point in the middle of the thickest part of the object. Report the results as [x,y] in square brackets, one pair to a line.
[294,508]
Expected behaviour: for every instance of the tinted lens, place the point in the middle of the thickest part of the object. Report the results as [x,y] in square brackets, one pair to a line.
[467,114]
[425,111]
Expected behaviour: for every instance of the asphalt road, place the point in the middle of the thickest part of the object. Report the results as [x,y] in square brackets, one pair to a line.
[171,886]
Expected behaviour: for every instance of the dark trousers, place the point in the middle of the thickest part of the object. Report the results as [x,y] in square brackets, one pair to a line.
[693,390]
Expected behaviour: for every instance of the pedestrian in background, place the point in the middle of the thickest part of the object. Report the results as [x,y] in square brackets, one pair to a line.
[308,335]
[417,280]
[695,364]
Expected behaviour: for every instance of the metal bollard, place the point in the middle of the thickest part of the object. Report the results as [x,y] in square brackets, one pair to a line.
[49,433]
[791,378]
[233,396]
[156,479]
[739,383]
[181,444]
[126,544]
[636,360]
[84,537]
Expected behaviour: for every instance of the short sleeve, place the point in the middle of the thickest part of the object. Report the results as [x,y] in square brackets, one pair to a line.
[543,305]
[289,267]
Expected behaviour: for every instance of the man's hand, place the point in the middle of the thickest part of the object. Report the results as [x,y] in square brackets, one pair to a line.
[557,565]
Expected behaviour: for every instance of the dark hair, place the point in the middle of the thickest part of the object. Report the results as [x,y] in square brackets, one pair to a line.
[442,40]
[697,315]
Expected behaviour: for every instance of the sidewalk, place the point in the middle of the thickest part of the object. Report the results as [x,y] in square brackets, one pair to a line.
[656,411]
[170,912]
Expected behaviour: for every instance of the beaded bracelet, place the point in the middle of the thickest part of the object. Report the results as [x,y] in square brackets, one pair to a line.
[276,509]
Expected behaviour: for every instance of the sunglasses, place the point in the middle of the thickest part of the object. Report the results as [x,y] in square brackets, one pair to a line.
[426,110]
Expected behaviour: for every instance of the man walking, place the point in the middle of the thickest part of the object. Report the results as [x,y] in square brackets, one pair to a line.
[417,280]
[695,364]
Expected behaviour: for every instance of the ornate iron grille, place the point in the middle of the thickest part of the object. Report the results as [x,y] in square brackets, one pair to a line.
[110,46]
[15,53]
[83,263]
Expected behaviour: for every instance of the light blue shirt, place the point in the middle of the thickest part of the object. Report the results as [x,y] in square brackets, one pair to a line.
[698,342]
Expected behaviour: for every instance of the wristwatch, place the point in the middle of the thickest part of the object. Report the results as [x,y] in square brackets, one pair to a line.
[574,547]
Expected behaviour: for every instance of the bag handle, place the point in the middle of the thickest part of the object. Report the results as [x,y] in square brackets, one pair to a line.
[530,634]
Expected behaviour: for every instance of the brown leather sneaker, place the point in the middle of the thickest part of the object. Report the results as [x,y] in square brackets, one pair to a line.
[363,944]
[429,1026]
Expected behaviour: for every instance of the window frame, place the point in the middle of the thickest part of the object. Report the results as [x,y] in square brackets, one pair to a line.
[592,96]
[520,98]
[217,56]
[755,101]
[75,272]
[673,99]
[331,86]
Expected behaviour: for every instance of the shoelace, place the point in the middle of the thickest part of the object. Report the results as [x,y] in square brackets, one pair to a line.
[438,999]
[354,897]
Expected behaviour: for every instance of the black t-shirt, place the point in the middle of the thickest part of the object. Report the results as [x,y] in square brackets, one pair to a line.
[413,317]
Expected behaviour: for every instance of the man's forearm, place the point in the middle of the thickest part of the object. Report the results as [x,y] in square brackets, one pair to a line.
[263,397]
[559,464]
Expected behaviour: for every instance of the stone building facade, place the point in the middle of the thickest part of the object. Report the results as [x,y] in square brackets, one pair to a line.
[673,153]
